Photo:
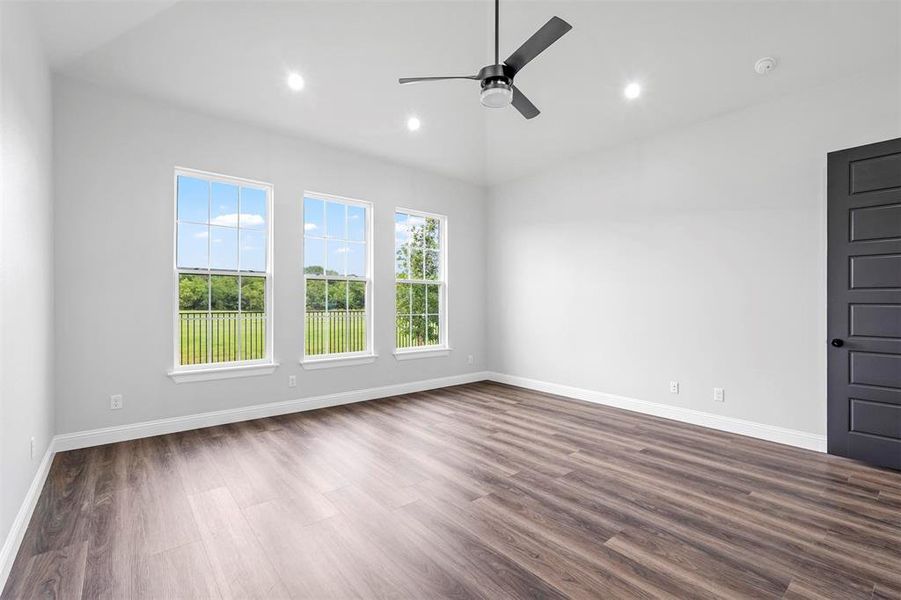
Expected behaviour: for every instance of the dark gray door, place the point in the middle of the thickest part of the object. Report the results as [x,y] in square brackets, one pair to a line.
[864,303]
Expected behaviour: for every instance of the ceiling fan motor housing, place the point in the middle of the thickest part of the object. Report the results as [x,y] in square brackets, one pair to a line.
[496,72]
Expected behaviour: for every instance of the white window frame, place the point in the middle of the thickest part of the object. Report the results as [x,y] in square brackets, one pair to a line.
[337,359]
[442,348]
[222,370]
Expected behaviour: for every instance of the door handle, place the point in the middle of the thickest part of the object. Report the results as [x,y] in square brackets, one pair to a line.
[837,342]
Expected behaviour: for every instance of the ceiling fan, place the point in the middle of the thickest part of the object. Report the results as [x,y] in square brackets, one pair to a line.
[496,80]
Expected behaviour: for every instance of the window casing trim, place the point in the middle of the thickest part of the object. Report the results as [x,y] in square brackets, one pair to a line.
[334,357]
[442,282]
[348,359]
[229,371]
[194,372]
[422,352]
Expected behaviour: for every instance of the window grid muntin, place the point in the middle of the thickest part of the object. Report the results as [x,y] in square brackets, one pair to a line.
[411,281]
[209,272]
[346,203]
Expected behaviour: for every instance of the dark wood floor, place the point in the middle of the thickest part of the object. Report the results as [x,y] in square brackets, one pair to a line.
[480,490]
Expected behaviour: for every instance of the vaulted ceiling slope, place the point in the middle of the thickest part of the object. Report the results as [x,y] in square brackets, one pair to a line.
[694,60]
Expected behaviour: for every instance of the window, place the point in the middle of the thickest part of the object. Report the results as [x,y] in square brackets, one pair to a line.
[223,271]
[420,287]
[336,266]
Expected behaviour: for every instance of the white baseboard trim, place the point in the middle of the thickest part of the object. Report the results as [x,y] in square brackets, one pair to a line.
[17,531]
[772,433]
[121,433]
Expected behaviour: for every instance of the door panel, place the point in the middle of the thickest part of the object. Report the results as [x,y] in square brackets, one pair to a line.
[876,223]
[870,272]
[876,173]
[864,303]
[876,320]
[876,418]
[883,370]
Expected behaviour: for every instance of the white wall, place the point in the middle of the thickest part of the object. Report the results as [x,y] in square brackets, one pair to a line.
[115,156]
[26,260]
[696,256]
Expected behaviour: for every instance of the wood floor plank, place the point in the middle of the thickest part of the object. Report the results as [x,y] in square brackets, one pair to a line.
[379,545]
[183,572]
[884,593]
[243,463]
[195,461]
[808,541]
[474,491]
[56,573]
[701,570]
[240,564]
[578,542]
[305,555]
[491,567]
[117,561]
[66,494]
[162,500]
[535,552]
[385,532]
[807,588]
[756,546]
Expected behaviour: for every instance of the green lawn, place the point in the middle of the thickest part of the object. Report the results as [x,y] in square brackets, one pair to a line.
[215,339]
[330,333]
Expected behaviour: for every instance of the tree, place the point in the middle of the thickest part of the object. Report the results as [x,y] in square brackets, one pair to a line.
[417,258]
[192,292]
[253,294]
[224,292]
[220,293]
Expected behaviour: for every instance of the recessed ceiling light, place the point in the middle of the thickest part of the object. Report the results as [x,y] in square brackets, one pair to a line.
[413,124]
[632,91]
[295,81]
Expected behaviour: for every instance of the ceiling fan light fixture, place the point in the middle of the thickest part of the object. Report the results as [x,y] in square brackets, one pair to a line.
[498,90]
[496,94]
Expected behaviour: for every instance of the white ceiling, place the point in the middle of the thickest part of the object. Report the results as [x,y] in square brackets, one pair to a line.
[694,60]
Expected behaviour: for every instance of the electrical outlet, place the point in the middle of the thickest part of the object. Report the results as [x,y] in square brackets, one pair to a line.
[115,402]
[292,380]
[718,395]
[470,359]
[673,387]
[32,448]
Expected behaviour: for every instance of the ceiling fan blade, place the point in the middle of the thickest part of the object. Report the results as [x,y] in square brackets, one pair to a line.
[524,105]
[404,80]
[549,33]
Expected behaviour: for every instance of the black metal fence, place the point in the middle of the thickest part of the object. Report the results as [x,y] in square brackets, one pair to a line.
[417,330]
[221,336]
[329,332]
[226,336]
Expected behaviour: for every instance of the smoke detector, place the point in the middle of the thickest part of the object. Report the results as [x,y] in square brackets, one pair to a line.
[765,65]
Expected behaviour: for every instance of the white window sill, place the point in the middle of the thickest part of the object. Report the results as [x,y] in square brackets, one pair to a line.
[415,353]
[338,361]
[211,373]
